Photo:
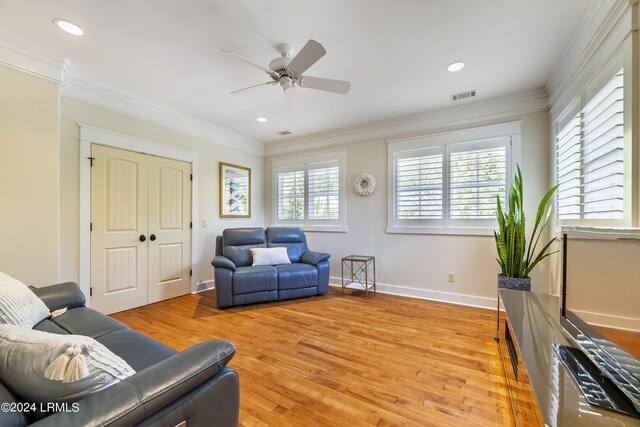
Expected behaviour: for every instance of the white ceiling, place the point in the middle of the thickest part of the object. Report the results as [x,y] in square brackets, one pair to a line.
[393,52]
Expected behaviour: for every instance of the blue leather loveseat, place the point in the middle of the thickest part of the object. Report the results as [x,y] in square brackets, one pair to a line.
[240,283]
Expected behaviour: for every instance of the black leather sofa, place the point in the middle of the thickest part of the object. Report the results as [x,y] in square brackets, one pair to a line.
[240,283]
[169,387]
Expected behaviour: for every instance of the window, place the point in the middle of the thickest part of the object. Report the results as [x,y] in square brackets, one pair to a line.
[310,192]
[590,160]
[448,183]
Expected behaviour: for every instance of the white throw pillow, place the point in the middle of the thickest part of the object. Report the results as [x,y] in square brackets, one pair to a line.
[270,256]
[18,305]
[45,367]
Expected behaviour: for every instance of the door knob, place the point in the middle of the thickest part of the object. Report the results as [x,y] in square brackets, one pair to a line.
[152,237]
[142,238]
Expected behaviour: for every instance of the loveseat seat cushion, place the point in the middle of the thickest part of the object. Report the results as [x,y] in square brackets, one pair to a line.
[291,238]
[296,276]
[12,418]
[85,321]
[48,326]
[237,242]
[255,279]
[138,350]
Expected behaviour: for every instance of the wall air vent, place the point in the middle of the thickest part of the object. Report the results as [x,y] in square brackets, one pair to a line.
[284,133]
[463,95]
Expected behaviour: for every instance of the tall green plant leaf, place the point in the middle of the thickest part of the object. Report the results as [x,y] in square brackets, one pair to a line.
[515,257]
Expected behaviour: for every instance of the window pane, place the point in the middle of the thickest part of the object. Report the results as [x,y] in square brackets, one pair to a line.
[324,193]
[477,177]
[419,183]
[602,153]
[291,195]
[568,176]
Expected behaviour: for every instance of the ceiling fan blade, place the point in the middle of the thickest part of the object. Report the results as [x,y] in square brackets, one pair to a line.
[251,87]
[308,55]
[253,64]
[329,85]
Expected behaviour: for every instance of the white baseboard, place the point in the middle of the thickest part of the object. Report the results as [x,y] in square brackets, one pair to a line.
[609,321]
[470,300]
[207,285]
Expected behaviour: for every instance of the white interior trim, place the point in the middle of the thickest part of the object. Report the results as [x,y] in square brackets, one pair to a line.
[130,105]
[459,115]
[32,60]
[91,135]
[428,294]
[603,32]
[609,321]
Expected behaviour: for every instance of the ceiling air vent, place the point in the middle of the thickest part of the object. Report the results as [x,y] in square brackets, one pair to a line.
[284,133]
[463,95]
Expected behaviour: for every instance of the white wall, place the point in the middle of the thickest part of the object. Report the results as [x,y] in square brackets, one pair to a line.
[603,281]
[29,234]
[423,261]
[210,153]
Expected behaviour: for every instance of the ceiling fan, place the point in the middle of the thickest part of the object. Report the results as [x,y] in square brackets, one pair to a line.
[287,72]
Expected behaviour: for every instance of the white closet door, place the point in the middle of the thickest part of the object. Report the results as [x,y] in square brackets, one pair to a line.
[119,185]
[169,228]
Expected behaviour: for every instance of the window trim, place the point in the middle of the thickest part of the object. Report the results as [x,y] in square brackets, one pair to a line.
[305,163]
[511,130]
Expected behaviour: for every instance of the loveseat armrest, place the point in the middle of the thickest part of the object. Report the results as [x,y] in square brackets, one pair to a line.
[132,400]
[314,258]
[62,295]
[220,261]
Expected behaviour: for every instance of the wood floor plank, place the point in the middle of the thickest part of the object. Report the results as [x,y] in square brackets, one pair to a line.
[347,360]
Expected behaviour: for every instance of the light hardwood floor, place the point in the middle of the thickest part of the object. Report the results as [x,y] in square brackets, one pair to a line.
[347,360]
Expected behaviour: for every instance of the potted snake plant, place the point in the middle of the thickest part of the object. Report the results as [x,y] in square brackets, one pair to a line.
[517,257]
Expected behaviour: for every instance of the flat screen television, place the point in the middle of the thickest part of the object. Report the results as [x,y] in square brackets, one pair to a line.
[607,375]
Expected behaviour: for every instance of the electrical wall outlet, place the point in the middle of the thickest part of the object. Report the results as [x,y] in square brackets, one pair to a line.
[451,277]
[204,223]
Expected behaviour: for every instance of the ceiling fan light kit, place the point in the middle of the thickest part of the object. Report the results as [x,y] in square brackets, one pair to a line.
[288,72]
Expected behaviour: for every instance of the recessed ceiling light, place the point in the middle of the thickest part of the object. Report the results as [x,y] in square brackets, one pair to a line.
[261,119]
[68,27]
[456,66]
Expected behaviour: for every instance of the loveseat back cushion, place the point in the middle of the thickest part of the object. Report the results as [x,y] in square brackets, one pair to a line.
[237,242]
[292,238]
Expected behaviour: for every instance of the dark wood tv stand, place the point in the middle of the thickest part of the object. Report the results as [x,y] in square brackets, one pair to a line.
[541,390]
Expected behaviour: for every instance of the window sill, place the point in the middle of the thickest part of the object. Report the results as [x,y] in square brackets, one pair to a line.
[317,228]
[457,231]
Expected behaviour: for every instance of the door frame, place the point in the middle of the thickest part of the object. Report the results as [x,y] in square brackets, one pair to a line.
[92,135]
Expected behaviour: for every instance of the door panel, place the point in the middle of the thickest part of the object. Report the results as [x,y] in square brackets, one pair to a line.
[169,221]
[119,185]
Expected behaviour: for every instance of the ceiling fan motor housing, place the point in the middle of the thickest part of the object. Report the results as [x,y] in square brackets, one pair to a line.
[279,65]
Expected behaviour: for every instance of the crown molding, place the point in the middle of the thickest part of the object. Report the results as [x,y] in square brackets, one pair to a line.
[137,107]
[29,59]
[469,112]
[604,25]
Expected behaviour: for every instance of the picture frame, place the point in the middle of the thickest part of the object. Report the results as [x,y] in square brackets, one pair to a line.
[235,191]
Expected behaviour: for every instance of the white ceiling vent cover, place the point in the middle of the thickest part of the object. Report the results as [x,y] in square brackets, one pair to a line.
[463,95]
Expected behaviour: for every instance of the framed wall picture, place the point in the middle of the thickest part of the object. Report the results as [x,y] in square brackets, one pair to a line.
[235,191]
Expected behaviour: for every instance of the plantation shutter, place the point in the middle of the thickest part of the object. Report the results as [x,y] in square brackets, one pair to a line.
[477,176]
[290,195]
[602,152]
[568,176]
[419,185]
[324,193]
